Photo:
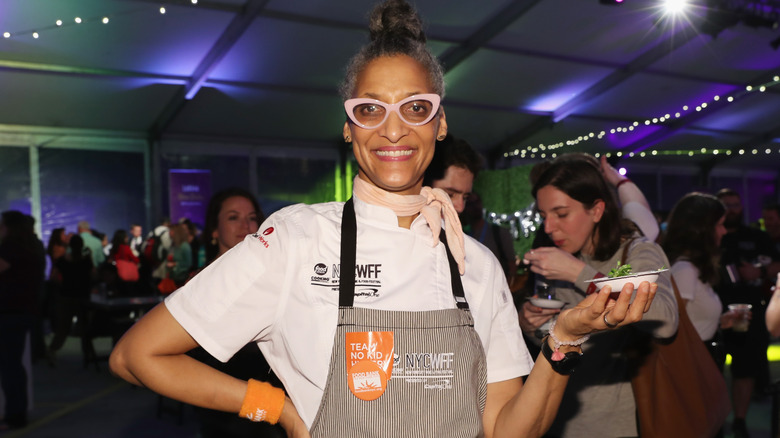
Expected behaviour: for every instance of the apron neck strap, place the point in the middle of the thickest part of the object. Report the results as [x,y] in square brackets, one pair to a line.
[348,255]
[348,251]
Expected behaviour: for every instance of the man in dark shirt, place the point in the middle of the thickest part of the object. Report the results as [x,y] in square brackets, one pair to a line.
[747,257]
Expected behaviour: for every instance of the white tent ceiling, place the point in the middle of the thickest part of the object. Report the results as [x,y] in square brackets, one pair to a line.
[519,73]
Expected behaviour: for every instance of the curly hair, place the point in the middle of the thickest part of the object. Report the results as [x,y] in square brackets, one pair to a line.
[690,233]
[395,28]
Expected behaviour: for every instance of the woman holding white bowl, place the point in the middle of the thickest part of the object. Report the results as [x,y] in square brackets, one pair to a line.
[584,222]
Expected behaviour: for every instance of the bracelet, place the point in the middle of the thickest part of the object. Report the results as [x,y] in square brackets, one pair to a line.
[557,355]
[262,402]
[564,366]
[622,181]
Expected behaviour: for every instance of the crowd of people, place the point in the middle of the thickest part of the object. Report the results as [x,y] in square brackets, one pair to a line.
[341,318]
[84,263]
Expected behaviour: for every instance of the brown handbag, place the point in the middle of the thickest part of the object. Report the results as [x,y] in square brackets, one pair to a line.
[678,388]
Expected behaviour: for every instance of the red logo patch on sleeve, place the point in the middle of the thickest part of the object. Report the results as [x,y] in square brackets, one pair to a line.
[260,237]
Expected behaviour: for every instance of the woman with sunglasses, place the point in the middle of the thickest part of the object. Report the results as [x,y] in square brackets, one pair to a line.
[367,310]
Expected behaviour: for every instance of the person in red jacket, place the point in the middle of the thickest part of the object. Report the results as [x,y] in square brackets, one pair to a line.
[120,248]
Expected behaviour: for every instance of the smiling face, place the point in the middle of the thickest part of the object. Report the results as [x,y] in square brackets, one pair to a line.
[568,223]
[236,219]
[395,155]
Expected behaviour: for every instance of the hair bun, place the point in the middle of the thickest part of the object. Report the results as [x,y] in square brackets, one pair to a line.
[395,19]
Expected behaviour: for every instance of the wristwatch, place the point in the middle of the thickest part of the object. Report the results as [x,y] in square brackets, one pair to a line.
[564,366]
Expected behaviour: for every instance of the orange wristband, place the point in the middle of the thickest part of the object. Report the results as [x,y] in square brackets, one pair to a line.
[262,402]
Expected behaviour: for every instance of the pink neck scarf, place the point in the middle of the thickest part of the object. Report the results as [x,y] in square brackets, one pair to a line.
[433,204]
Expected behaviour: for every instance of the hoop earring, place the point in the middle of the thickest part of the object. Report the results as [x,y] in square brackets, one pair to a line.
[441,137]
[347,139]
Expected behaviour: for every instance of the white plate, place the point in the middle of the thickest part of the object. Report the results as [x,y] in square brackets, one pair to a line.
[617,283]
[547,304]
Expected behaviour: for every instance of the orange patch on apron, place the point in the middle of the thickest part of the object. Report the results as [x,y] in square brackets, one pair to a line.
[369,357]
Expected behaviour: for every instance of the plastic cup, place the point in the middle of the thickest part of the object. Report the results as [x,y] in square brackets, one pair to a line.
[742,322]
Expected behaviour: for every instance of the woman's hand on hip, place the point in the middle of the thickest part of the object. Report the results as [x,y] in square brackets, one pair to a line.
[291,421]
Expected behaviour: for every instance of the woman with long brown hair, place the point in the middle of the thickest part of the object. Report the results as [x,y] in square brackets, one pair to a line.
[588,237]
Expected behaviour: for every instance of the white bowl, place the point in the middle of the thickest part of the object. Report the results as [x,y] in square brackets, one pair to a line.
[546,304]
[617,283]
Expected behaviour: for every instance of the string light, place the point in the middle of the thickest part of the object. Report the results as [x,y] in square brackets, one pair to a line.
[60,23]
[522,223]
[679,153]
[530,151]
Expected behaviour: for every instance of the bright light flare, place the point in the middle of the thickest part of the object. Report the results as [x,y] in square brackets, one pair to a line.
[676,15]
[675,6]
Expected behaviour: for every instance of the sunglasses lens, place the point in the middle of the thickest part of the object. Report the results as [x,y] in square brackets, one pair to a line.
[416,111]
[369,114]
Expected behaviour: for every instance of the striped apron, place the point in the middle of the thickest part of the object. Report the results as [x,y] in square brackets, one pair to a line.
[438,383]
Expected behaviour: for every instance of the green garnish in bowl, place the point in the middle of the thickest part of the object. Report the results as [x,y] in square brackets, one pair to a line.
[620,270]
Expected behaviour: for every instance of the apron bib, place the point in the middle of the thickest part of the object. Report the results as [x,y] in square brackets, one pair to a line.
[437,382]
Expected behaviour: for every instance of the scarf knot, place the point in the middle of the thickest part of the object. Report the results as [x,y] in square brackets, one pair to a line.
[433,204]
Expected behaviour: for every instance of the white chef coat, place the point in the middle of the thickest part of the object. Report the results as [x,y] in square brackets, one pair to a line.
[279,287]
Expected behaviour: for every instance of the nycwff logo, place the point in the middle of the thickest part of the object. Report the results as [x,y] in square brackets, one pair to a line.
[367,278]
[429,360]
[371,270]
